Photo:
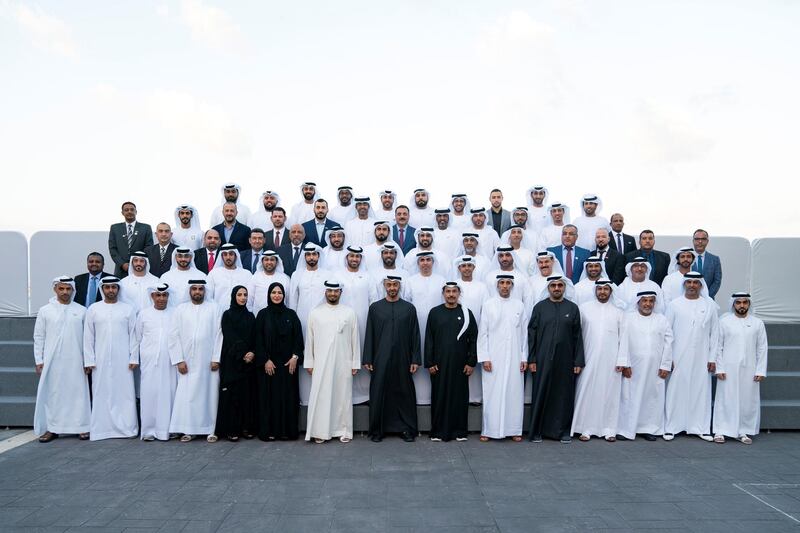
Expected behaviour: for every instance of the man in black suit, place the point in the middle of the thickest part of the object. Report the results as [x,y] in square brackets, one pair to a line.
[659,261]
[159,255]
[621,242]
[614,261]
[206,257]
[252,256]
[127,237]
[94,264]
[279,234]
[317,227]
[291,250]
[231,230]
[402,233]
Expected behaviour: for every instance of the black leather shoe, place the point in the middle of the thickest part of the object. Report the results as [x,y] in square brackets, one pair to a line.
[650,438]
[376,438]
[408,437]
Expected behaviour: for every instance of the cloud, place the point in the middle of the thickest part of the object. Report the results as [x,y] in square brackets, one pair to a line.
[667,134]
[46,31]
[212,26]
[514,35]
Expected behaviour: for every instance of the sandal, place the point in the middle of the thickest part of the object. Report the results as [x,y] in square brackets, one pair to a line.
[83,436]
[233,438]
[719,439]
[212,438]
[319,441]
[344,439]
[484,438]
[744,439]
[584,437]
[611,438]
[48,436]
[516,438]
[187,438]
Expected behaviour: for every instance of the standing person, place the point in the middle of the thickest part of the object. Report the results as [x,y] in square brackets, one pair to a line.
[360,229]
[672,286]
[332,358]
[134,287]
[537,207]
[237,395]
[658,260]
[127,237]
[252,256]
[356,295]
[62,397]
[158,376]
[279,352]
[707,263]
[392,356]
[226,274]
[450,356]
[473,293]
[262,216]
[550,234]
[343,209]
[402,231]
[646,353]
[741,367]
[502,351]
[555,345]
[420,213]
[206,257]
[320,224]
[694,322]
[187,232]
[231,193]
[159,255]
[109,345]
[498,217]
[87,285]
[590,221]
[182,270]
[621,242]
[268,272]
[304,209]
[195,344]
[231,230]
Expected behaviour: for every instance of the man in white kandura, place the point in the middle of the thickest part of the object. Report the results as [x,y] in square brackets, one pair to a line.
[741,367]
[332,358]
[182,270]
[62,397]
[109,353]
[134,287]
[227,273]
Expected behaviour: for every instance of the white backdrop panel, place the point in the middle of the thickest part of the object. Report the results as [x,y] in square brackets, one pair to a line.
[776,292]
[54,253]
[14,289]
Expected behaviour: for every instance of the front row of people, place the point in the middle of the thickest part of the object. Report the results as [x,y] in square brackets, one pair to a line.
[595,369]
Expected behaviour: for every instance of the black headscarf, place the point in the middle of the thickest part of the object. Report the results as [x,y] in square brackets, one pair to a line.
[241,318]
[277,316]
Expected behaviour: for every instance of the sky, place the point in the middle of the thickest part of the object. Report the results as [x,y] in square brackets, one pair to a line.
[679,114]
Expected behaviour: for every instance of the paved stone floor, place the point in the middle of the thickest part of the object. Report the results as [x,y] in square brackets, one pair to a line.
[125,485]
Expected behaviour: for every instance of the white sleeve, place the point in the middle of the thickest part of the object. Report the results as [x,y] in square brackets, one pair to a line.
[89,358]
[39,333]
[761,351]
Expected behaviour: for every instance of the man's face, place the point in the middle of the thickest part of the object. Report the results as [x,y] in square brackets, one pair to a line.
[617,223]
[160,300]
[520,217]
[381,233]
[442,220]
[138,264]
[129,212]
[94,264]
[297,234]
[692,288]
[504,287]
[362,208]
[353,261]
[515,237]
[568,236]
[312,258]
[421,199]
[557,215]
[270,201]
[110,292]
[185,216]
[345,197]
[308,192]
[211,240]
[601,239]
[700,240]
[741,306]
[183,261]
[638,272]
[466,270]
[496,199]
[545,265]
[506,260]
[269,263]
[333,295]
[163,234]
[278,219]
[401,216]
[479,220]
[425,240]
[320,210]
[387,201]
[589,208]
[451,295]
[458,204]
[685,259]
[537,197]
[392,287]
[63,292]
[556,290]
[603,293]
[646,305]
[388,257]
[231,194]
[256,240]
[229,213]
[197,293]
[229,259]
[647,241]
[425,264]
[593,270]
[470,245]
[337,240]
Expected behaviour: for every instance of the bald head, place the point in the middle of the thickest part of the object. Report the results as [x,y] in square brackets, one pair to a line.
[297,234]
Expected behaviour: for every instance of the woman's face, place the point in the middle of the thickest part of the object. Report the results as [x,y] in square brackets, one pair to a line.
[241,296]
[276,295]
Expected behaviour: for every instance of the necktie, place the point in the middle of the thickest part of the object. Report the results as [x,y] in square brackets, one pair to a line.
[255,261]
[402,238]
[91,294]
[568,266]
[130,235]
[700,263]
[210,261]
[277,238]
[163,253]
[296,255]
[619,243]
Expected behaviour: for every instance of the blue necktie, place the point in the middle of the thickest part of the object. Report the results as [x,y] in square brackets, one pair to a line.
[700,263]
[91,294]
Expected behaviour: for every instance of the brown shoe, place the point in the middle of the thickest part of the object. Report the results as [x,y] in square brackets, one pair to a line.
[47,437]
[83,436]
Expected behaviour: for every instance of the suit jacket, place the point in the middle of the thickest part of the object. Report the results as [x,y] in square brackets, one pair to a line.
[286,253]
[579,256]
[247,259]
[712,272]
[310,228]
[615,264]
[660,263]
[82,285]
[628,242]
[157,266]
[118,243]
[505,220]
[201,259]
[410,242]
[240,236]
[269,238]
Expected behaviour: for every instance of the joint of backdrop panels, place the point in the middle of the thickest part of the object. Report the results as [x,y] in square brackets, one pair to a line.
[14,289]
[775,287]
